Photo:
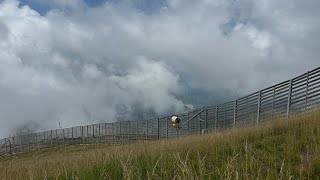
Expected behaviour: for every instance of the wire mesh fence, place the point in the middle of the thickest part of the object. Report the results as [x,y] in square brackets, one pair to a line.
[301,94]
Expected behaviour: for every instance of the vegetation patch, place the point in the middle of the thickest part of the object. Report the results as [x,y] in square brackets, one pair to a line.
[281,149]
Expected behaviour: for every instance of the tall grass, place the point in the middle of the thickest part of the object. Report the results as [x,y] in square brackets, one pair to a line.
[280,149]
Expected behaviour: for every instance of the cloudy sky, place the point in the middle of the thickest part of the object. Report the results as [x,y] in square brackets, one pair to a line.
[81,62]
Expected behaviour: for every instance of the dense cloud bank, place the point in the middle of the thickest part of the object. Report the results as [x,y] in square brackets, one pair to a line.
[77,64]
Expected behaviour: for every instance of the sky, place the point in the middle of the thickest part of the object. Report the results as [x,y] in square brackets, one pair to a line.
[81,62]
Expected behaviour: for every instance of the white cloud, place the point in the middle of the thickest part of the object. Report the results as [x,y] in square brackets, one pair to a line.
[260,40]
[80,65]
[152,85]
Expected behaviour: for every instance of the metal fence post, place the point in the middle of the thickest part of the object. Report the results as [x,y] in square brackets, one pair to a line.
[44,139]
[152,129]
[129,131]
[21,143]
[246,108]
[158,128]
[224,115]
[14,143]
[113,133]
[206,120]
[93,135]
[56,140]
[216,119]
[63,137]
[4,143]
[307,89]
[147,129]
[188,123]
[28,136]
[199,120]
[99,138]
[289,99]
[81,129]
[234,113]
[87,134]
[107,131]
[51,139]
[273,98]
[35,139]
[120,133]
[10,146]
[259,106]
[77,135]
[72,142]
[167,129]
[137,130]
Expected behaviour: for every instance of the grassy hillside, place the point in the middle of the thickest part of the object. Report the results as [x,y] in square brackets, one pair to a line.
[281,149]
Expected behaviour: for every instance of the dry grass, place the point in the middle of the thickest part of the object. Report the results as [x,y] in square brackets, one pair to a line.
[281,149]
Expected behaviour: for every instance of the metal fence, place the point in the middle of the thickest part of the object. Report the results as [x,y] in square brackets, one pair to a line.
[300,94]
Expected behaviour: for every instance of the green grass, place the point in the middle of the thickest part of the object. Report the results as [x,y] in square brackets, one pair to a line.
[281,149]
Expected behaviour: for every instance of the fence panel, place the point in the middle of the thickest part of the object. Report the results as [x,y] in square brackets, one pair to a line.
[184,120]
[313,93]
[266,104]
[163,127]
[211,118]
[281,99]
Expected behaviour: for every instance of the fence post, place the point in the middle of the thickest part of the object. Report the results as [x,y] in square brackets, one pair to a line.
[167,129]
[289,99]
[99,138]
[216,119]
[72,136]
[224,115]
[38,140]
[120,133]
[20,144]
[28,142]
[206,120]
[87,134]
[307,89]
[273,97]
[113,133]
[56,140]
[10,145]
[147,129]
[77,135]
[81,129]
[93,135]
[188,123]
[234,113]
[5,142]
[63,137]
[152,129]
[200,123]
[137,129]
[44,139]
[246,108]
[259,106]
[51,138]
[158,128]
[13,142]
[106,133]
[129,131]
[35,140]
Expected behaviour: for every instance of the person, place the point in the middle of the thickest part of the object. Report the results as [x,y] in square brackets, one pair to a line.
[176,122]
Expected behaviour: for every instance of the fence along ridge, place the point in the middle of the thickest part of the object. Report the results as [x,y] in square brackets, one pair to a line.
[300,94]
